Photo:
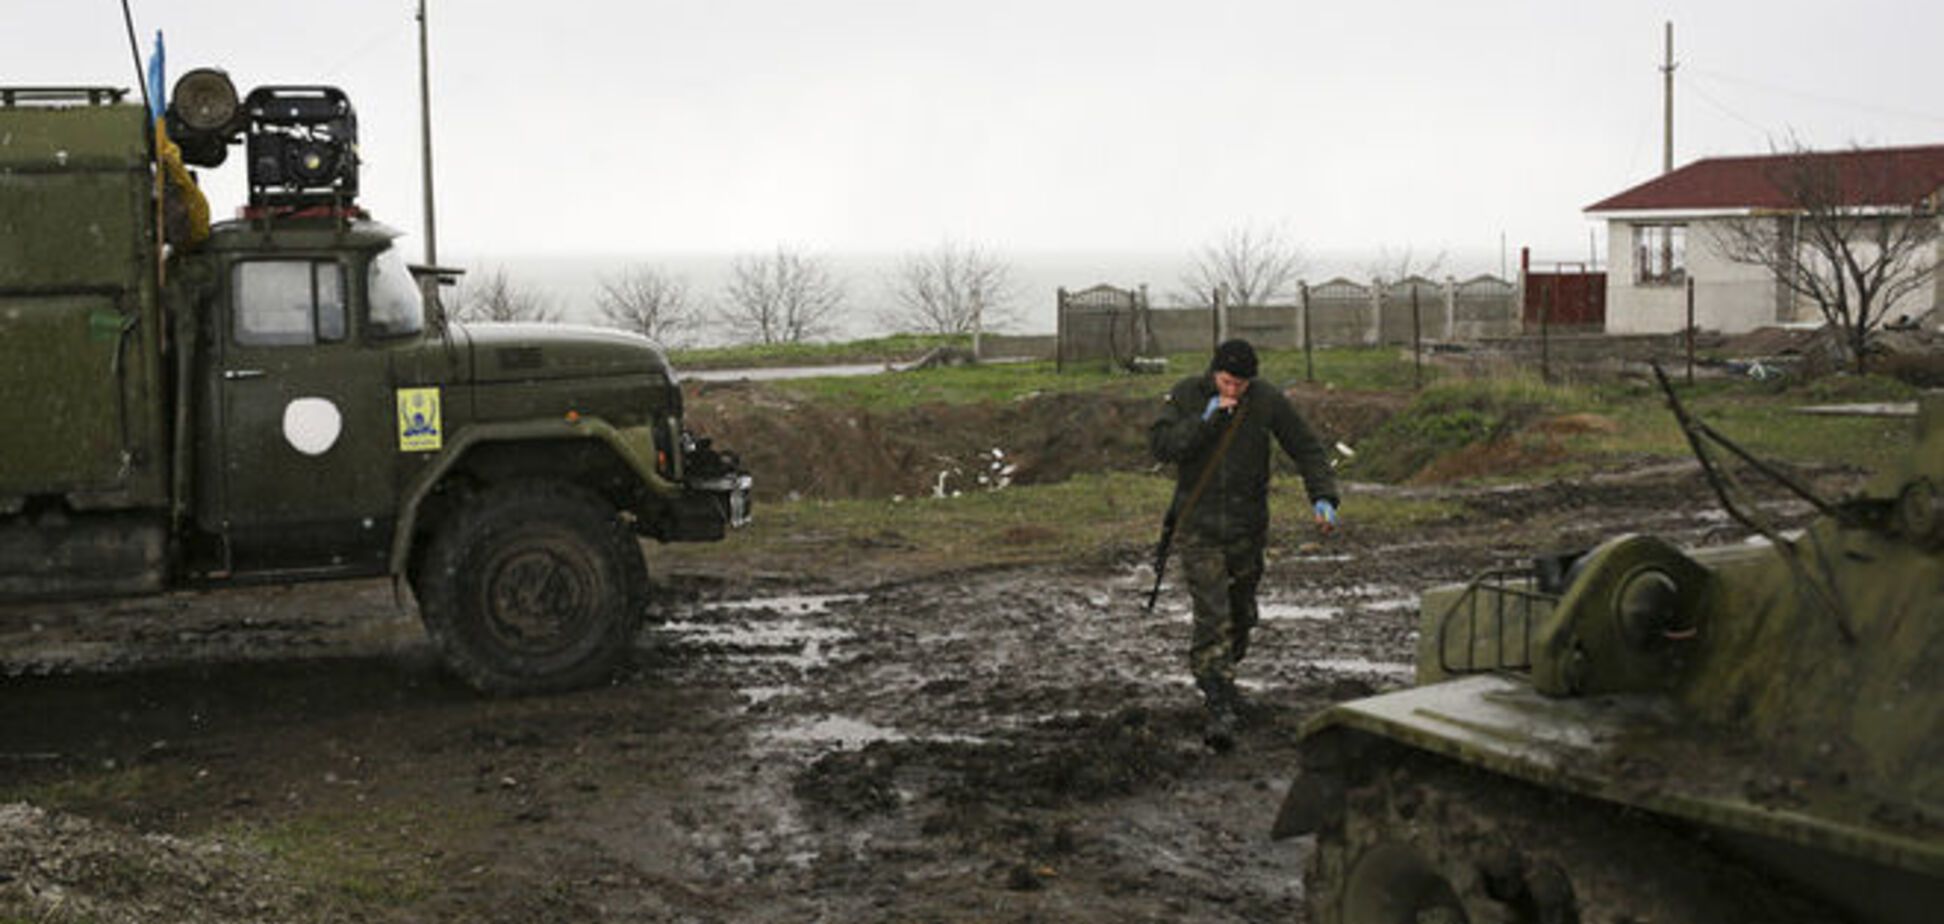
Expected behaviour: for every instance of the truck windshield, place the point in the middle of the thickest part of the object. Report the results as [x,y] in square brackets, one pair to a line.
[395,307]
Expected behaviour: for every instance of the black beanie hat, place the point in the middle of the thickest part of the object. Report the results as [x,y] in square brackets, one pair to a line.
[1235,357]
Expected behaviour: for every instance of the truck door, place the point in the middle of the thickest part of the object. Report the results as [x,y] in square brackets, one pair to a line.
[306,423]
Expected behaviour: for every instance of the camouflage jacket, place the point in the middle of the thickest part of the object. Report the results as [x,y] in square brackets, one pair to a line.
[1236,502]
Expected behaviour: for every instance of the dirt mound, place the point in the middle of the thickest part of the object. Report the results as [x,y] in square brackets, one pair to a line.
[808,449]
[64,868]
[1573,424]
[1346,416]
[1495,458]
[1535,447]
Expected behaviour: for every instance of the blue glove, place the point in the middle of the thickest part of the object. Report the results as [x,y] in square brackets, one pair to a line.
[1214,404]
[1326,512]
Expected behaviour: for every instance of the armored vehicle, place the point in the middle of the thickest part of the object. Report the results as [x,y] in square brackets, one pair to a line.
[1648,733]
[278,398]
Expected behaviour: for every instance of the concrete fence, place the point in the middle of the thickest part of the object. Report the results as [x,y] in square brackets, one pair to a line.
[1112,325]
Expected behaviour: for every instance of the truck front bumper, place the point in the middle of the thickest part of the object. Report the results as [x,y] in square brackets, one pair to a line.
[706,509]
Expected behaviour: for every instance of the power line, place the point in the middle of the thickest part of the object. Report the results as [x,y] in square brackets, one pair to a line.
[1819,97]
[1724,108]
[379,36]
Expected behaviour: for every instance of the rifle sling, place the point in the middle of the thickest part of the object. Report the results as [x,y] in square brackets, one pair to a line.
[1215,459]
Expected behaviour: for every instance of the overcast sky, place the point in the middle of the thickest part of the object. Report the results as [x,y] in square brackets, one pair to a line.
[575,127]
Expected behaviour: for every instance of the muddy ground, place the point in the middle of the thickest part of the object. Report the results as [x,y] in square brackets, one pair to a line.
[1015,745]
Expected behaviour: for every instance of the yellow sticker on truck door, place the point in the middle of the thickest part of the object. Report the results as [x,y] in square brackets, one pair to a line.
[419,426]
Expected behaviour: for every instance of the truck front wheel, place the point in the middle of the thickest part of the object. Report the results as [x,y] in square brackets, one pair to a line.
[533,587]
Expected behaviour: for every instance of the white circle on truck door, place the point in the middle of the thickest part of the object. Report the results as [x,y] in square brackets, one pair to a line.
[312,425]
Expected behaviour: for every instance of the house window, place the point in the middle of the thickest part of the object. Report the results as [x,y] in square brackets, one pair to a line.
[1660,254]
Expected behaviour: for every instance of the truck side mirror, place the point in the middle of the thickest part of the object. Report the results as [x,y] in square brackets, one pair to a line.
[430,279]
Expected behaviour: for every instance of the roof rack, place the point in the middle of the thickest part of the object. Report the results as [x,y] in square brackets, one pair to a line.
[93,96]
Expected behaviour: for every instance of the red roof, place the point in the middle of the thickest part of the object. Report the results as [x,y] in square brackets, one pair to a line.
[1865,176]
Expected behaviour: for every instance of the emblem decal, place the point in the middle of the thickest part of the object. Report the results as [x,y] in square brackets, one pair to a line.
[419,426]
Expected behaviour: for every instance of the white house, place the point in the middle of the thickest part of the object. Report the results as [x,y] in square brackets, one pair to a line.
[1664,232]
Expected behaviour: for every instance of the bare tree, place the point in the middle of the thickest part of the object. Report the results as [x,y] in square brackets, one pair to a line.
[1394,265]
[784,297]
[652,303]
[1855,237]
[496,297]
[943,291]
[1256,264]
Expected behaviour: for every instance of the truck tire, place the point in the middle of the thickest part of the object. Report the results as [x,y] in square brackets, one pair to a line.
[533,587]
[1429,841]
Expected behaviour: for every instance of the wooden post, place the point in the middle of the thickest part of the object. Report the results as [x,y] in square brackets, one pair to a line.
[1216,310]
[1375,337]
[1309,339]
[1690,330]
[1545,331]
[978,321]
[1417,341]
[1059,330]
[1451,308]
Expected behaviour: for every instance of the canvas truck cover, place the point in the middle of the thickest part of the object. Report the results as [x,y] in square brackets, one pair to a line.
[80,399]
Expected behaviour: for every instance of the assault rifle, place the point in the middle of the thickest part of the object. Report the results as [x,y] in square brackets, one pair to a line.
[1179,509]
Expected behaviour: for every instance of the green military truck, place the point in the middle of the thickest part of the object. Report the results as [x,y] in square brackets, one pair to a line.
[274,399]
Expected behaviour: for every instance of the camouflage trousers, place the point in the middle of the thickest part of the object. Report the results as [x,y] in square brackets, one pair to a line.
[1222,579]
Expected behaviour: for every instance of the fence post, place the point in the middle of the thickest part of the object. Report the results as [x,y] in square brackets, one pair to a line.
[978,322]
[1545,332]
[1217,315]
[1375,335]
[1417,341]
[1059,330]
[1309,357]
[1690,330]
[1451,307]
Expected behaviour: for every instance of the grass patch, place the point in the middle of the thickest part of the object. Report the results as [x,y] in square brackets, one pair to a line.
[1356,368]
[894,348]
[352,861]
[1625,422]
[91,793]
[1090,519]
[1078,518]
[1454,415]
[1365,369]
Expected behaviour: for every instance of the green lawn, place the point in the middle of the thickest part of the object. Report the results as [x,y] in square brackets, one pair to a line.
[894,348]
[1346,368]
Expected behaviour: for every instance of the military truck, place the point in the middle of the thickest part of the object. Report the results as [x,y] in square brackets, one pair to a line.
[1640,732]
[276,399]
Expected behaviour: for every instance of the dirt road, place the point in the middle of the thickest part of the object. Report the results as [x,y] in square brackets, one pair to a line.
[1015,745]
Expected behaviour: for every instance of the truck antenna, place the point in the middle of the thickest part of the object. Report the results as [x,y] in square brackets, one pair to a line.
[135,51]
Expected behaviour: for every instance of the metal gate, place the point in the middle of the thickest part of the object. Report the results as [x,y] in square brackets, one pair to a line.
[1565,298]
[1104,324]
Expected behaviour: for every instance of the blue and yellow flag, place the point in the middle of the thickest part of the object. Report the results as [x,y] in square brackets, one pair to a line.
[157,72]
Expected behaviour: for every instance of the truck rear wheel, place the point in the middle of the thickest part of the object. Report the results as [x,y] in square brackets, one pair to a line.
[1429,841]
[532,587]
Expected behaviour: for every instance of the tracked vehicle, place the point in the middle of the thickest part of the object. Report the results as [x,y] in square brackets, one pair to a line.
[272,400]
[1648,733]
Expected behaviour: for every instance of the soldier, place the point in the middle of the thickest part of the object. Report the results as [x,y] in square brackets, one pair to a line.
[1217,429]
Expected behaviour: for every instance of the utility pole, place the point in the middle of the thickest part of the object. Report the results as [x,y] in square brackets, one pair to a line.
[425,140]
[1667,110]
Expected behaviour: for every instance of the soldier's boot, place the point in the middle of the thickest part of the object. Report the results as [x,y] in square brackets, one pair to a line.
[1219,700]
[1243,616]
